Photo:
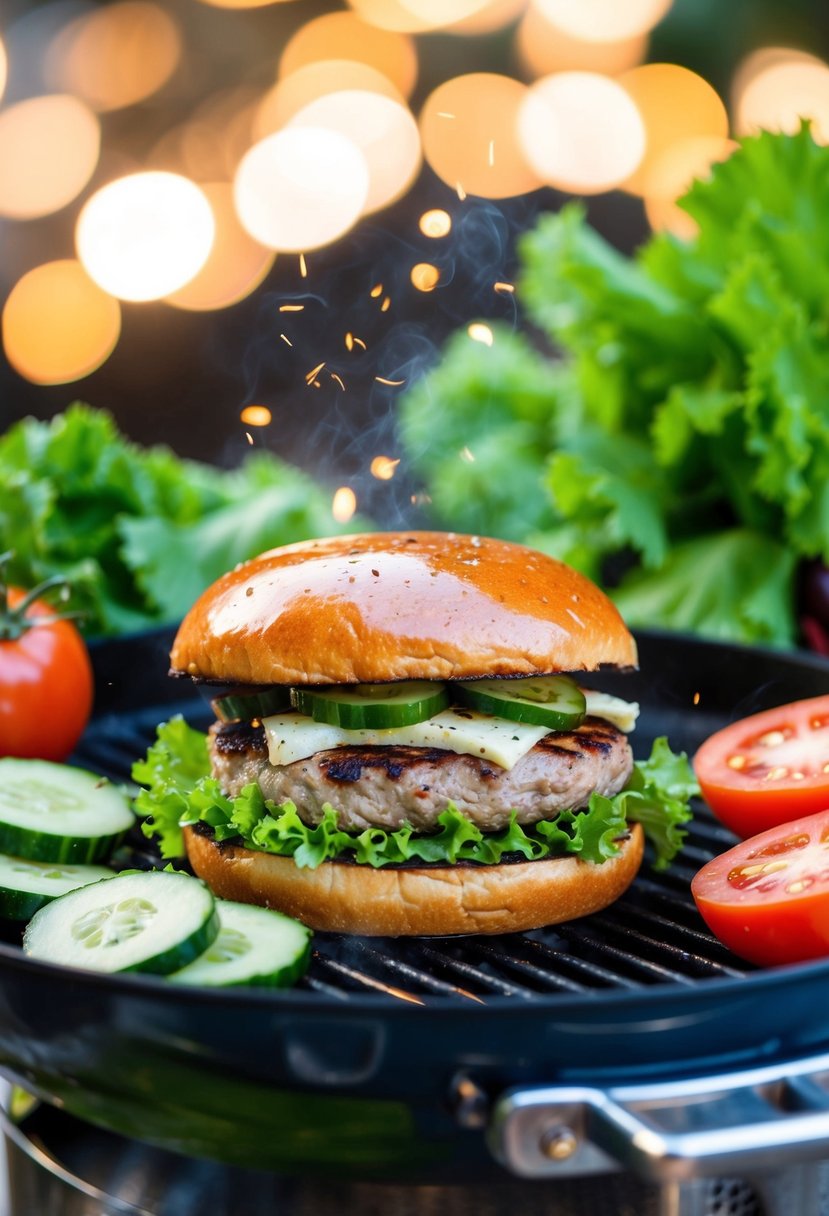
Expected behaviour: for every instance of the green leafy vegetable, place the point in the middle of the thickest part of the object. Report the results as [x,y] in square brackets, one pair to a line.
[678,449]
[179,792]
[138,533]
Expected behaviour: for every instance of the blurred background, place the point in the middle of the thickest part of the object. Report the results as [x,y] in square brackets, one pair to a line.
[419,263]
[435,131]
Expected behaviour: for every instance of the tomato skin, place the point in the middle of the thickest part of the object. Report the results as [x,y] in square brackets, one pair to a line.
[46,687]
[767,899]
[765,792]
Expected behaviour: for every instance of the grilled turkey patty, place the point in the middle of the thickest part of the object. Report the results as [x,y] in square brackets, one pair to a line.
[389,786]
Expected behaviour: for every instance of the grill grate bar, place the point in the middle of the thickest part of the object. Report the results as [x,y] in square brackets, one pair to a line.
[541,979]
[396,967]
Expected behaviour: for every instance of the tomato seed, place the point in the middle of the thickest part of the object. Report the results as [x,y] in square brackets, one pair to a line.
[773,739]
[746,876]
[740,762]
[774,774]
[801,884]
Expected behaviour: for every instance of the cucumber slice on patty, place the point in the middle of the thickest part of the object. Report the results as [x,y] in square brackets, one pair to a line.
[255,946]
[243,705]
[53,812]
[154,922]
[372,706]
[553,701]
[26,886]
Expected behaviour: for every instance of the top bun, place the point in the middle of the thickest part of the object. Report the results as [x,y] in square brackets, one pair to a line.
[399,606]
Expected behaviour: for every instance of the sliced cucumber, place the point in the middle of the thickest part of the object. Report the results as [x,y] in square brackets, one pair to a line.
[26,886]
[157,922]
[245,704]
[255,946]
[52,812]
[372,706]
[552,701]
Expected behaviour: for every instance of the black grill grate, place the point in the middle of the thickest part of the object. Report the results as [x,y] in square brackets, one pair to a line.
[651,936]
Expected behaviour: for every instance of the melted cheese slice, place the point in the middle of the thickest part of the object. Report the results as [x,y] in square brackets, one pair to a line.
[613,709]
[293,736]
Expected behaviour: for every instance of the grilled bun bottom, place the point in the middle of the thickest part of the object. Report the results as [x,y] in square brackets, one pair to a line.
[342,897]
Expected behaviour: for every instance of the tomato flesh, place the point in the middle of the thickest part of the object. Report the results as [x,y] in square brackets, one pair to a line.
[767,899]
[46,686]
[768,768]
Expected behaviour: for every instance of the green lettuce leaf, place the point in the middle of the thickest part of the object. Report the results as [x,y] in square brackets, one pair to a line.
[178,792]
[138,532]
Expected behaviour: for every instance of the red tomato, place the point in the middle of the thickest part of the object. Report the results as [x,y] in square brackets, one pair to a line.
[46,686]
[769,768]
[767,898]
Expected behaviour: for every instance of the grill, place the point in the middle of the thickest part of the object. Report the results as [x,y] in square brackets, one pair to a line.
[629,1047]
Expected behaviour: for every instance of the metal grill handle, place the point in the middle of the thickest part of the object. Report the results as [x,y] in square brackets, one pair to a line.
[744,1123]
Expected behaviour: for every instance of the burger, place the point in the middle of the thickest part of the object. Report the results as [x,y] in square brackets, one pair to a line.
[403,743]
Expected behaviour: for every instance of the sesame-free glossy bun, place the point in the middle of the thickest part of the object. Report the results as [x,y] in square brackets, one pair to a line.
[340,897]
[399,606]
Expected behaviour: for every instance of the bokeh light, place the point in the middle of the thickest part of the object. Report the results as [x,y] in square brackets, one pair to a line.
[345,36]
[256,415]
[480,332]
[243,3]
[293,93]
[115,56]
[494,15]
[49,148]
[236,265]
[543,48]
[383,468]
[416,16]
[759,61]
[604,20]
[425,276]
[436,223]
[145,235]
[468,127]
[675,104]
[343,504]
[781,94]
[672,176]
[210,143]
[581,132]
[301,188]
[383,130]
[58,325]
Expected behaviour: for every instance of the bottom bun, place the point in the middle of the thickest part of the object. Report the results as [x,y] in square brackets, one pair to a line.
[341,897]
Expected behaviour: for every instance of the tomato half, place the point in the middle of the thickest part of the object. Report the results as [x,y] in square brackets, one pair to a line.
[769,768]
[46,685]
[767,898]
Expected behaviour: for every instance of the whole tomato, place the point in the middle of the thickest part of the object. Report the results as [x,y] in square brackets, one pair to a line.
[46,682]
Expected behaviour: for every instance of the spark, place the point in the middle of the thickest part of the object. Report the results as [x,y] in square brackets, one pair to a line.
[377,290]
[249,438]
[461,191]
[445,114]
[466,455]
[344,504]
[334,376]
[479,332]
[256,415]
[286,339]
[386,305]
[491,153]
[349,342]
[504,287]
[291,307]
[383,468]
[393,383]
[311,376]
[303,266]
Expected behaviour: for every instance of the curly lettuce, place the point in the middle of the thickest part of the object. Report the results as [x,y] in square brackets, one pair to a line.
[179,792]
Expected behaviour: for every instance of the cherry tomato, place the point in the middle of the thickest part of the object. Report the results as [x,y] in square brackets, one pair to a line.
[769,768]
[767,898]
[46,684]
